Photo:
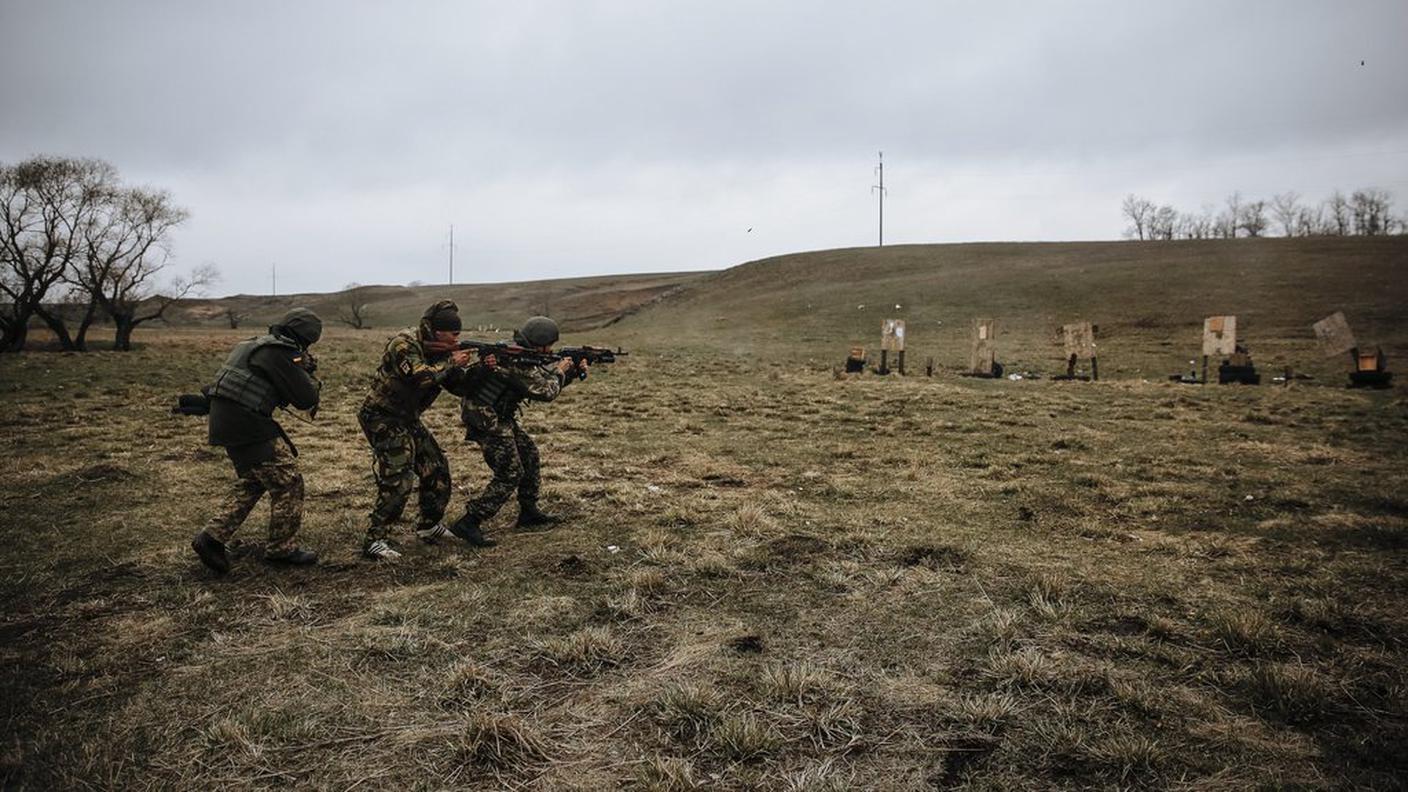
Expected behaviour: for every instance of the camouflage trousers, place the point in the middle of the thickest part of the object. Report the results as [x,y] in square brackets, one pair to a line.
[404,454]
[513,456]
[280,478]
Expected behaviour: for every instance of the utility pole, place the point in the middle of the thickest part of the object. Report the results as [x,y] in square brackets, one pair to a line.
[452,253]
[880,189]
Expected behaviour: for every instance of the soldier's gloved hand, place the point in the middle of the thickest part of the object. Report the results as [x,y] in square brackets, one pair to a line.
[310,363]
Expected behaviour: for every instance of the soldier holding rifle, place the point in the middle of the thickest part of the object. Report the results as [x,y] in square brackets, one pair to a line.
[417,364]
[491,398]
[260,374]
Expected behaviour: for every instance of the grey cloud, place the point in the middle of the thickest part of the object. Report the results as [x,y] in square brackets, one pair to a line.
[380,122]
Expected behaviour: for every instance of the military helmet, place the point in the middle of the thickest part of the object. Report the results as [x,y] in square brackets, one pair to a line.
[301,324]
[538,331]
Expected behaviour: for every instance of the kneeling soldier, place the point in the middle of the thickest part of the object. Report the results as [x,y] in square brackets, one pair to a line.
[490,402]
[418,361]
[273,370]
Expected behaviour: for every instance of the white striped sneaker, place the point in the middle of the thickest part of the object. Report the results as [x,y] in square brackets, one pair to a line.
[432,534]
[380,550]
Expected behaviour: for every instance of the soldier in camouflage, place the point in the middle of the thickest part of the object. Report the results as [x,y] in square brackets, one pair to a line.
[490,402]
[260,374]
[417,364]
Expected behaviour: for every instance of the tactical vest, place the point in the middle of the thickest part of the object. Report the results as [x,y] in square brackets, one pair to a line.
[242,385]
[495,392]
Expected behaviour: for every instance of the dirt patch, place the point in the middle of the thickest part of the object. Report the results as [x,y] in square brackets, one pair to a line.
[961,753]
[724,480]
[572,566]
[103,471]
[748,643]
[938,557]
[791,550]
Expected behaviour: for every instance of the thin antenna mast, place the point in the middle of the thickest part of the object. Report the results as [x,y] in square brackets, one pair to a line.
[880,189]
[273,279]
[452,253]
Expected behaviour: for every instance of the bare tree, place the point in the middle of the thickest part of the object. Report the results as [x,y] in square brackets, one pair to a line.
[1253,218]
[1286,208]
[1204,224]
[234,317]
[1230,220]
[1139,211]
[1162,222]
[353,310]
[1186,226]
[125,249]
[1337,214]
[1370,211]
[82,306]
[1310,222]
[45,203]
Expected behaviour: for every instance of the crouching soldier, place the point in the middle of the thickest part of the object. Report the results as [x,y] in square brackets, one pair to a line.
[417,364]
[490,401]
[272,370]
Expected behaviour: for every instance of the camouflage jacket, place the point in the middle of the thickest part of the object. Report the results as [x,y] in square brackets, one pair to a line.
[409,379]
[491,398]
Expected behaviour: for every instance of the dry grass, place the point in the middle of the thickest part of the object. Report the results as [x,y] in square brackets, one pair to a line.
[667,774]
[743,737]
[688,711]
[770,578]
[792,682]
[500,742]
[585,651]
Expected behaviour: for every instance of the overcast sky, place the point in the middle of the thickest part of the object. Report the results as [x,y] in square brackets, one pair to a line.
[342,139]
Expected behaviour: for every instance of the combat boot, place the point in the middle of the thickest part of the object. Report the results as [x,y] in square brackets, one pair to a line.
[467,528]
[294,557]
[531,519]
[211,552]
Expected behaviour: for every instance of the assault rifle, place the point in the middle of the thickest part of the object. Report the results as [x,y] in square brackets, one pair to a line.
[515,355]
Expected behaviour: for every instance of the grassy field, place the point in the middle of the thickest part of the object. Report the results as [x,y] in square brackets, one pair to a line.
[773,576]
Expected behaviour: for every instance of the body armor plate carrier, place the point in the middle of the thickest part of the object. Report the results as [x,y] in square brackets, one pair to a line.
[242,385]
[493,391]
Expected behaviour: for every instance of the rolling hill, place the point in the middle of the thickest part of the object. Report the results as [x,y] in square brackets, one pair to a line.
[1148,299]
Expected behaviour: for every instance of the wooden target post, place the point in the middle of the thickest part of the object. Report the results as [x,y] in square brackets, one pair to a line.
[1219,339]
[1336,338]
[891,340]
[982,361]
[1366,369]
[1078,340]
